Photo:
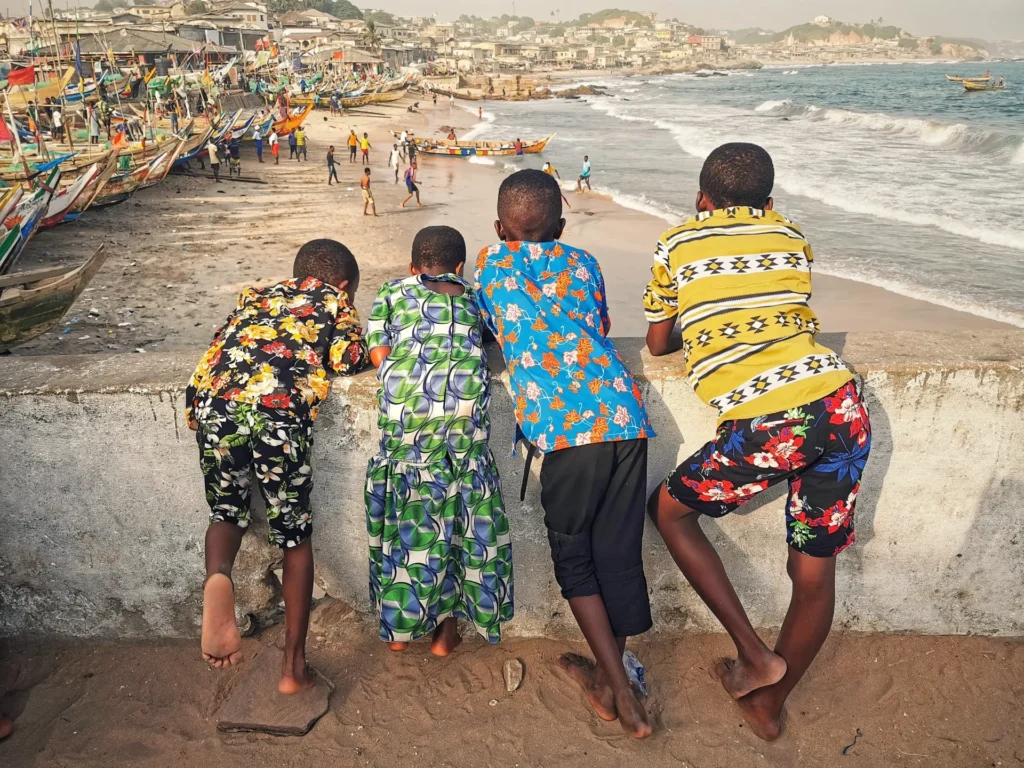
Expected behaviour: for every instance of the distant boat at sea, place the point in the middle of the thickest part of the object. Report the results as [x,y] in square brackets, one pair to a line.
[973,86]
[955,79]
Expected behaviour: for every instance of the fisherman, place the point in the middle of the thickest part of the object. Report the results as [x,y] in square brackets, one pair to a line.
[258,138]
[293,146]
[211,149]
[584,175]
[519,147]
[274,146]
[58,123]
[174,119]
[94,126]
[235,155]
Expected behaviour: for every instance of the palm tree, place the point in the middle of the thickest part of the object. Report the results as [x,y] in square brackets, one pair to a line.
[371,38]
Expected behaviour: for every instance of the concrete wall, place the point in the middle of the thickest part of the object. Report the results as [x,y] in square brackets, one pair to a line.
[102,512]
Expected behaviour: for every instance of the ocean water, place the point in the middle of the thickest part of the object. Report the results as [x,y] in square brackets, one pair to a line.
[898,177]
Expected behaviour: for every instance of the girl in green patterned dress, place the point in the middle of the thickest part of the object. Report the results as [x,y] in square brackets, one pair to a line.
[439,540]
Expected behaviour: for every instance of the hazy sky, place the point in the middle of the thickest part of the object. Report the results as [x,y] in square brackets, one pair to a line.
[993,19]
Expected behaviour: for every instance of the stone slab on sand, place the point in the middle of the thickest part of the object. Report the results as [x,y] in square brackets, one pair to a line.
[256,706]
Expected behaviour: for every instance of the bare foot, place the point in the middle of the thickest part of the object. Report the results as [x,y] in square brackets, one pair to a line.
[446,638]
[221,643]
[6,726]
[586,675]
[632,716]
[296,676]
[398,647]
[740,677]
[419,205]
[760,716]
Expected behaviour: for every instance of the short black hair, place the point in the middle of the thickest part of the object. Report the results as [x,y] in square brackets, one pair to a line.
[328,261]
[530,205]
[738,174]
[438,246]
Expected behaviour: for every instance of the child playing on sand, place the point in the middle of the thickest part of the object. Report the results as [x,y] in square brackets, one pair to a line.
[575,402]
[737,278]
[439,539]
[253,400]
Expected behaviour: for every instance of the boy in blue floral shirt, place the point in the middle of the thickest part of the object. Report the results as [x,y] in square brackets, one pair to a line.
[576,402]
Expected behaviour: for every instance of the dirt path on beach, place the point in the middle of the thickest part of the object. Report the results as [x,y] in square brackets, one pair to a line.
[868,701]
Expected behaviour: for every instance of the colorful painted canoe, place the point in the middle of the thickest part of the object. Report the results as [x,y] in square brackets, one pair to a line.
[478,148]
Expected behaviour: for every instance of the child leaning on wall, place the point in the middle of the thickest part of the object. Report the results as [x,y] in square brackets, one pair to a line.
[252,401]
[439,538]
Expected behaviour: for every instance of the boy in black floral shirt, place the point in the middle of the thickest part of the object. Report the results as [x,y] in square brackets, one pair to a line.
[252,400]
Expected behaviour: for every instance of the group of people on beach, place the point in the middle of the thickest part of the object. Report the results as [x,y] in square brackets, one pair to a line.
[729,287]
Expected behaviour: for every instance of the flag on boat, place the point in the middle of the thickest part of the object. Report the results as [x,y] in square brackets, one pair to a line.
[23,76]
[5,132]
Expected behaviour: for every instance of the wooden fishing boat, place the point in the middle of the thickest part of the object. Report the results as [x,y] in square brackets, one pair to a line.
[11,197]
[21,95]
[124,185]
[377,97]
[971,86]
[292,123]
[955,79]
[467,96]
[92,192]
[31,303]
[478,148]
[63,199]
[159,170]
[27,214]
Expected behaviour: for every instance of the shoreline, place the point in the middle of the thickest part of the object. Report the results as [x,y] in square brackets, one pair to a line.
[181,251]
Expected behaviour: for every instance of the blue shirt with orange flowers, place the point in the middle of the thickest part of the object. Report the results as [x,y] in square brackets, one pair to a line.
[545,303]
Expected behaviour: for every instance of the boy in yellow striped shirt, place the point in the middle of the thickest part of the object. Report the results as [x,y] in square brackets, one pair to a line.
[736,280]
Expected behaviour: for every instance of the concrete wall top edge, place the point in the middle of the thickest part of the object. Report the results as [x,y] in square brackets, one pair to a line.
[897,353]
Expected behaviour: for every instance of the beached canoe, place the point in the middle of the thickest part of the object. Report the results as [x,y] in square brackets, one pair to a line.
[93,191]
[26,215]
[972,86]
[293,122]
[64,199]
[31,303]
[478,148]
[124,185]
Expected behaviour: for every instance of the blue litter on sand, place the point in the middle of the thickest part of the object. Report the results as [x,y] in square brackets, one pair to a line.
[635,671]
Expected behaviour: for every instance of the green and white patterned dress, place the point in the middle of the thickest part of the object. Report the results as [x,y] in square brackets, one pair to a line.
[439,537]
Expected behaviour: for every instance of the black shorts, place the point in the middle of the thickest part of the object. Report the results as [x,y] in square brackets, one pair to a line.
[413,189]
[594,499]
[820,448]
[351,151]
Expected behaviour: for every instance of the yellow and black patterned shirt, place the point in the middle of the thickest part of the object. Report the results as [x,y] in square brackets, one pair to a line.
[738,281]
[276,347]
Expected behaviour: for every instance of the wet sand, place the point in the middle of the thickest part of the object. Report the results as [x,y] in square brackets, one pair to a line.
[181,251]
[868,701]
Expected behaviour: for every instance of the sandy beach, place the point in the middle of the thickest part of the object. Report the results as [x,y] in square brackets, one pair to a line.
[181,251]
[868,700]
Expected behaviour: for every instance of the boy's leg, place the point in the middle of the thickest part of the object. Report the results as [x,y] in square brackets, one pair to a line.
[229,519]
[298,597]
[575,485]
[807,624]
[286,482]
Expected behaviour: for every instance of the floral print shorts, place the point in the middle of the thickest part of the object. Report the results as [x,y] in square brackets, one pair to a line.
[821,448]
[237,441]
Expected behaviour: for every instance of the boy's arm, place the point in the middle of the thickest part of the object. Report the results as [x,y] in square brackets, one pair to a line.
[661,305]
[348,354]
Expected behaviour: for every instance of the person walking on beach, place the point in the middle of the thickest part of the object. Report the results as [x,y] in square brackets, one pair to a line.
[584,175]
[480,112]
[550,170]
[353,146]
[411,185]
[434,471]
[334,104]
[395,160]
[364,145]
[252,402]
[258,138]
[368,201]
[293,146]
[332,172]
[788,408]
[211,150]
[275,147]
[300,144]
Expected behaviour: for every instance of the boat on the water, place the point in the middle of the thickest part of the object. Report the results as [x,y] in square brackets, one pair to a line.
[31,303]
[478,148]
[972,86]
[956,79]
